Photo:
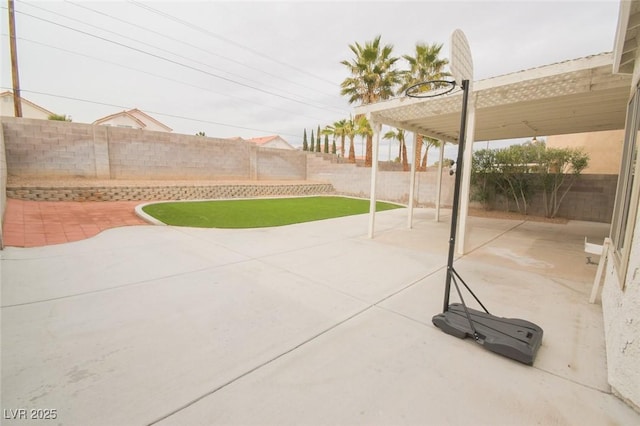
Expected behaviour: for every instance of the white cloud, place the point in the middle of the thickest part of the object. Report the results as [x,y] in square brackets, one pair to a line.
[278,47]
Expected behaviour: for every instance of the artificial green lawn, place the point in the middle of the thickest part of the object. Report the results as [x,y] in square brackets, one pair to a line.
[258,213]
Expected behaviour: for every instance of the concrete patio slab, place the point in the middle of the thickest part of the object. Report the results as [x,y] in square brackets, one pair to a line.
[382,368]
[305,324]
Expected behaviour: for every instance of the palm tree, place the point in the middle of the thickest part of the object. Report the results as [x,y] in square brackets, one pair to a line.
[425,65]
[373,77]
[428,142]
[337,130]
[399,135]
[350,132]
[363,128]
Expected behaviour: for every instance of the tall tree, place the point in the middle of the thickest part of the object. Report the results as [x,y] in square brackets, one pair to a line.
[305,144]
[424,65]
[319,144]
[373,78]
[312,148]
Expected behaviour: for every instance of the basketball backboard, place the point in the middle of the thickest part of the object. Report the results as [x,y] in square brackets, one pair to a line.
[461,62]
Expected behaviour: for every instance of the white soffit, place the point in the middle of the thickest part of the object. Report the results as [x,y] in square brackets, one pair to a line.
[580,95]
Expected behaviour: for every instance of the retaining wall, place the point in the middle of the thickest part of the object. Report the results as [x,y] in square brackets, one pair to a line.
[146,191]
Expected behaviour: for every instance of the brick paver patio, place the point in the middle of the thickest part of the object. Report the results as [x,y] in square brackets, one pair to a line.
[40,223]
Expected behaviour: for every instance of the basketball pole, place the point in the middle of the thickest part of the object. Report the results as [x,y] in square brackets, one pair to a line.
[456,193]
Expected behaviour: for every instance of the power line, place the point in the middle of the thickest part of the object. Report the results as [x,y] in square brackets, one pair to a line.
[219,37]
[178,63]
[158,76]
[155,112]
[243,64]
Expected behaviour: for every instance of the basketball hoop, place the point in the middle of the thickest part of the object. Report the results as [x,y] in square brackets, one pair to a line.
[430,89]
[512,337]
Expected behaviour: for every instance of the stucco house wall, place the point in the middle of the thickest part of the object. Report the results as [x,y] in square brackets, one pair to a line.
[125,121]
[604,149]
[29,109]
[621,296]
[135,119]
[621,310]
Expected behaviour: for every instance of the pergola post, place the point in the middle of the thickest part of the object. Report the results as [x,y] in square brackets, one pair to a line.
[376,127]
[439,184]
[412,182]
[466,176]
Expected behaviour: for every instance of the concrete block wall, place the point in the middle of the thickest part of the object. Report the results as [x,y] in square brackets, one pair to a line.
[57,149]
[280,164]
[391,185]
[140,154]
[591,198]
[48,148]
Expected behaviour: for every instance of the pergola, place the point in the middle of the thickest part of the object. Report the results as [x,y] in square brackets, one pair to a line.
[575,96]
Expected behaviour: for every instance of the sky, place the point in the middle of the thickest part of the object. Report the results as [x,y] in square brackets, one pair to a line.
[259,68]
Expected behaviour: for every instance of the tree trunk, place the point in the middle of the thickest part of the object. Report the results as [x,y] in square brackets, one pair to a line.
[342,145]
[418,151]
[352,151]
[405,160]
[368,159]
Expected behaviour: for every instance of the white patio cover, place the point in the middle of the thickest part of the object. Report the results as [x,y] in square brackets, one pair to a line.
[575,96]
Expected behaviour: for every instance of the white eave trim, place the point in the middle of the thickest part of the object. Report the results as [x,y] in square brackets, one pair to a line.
[621,35]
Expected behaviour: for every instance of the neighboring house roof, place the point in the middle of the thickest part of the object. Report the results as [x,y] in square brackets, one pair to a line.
[263,140]
[275,140]
[9,94]
[126,114]
[139,117]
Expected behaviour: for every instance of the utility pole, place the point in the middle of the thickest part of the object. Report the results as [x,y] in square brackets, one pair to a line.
[17,102]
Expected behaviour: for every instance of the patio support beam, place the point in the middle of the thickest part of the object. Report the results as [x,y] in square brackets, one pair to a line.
[376,127]
[439,184]
[412,181]
[466,175]
[408,127]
